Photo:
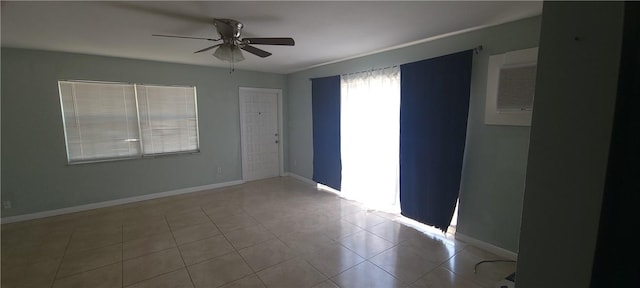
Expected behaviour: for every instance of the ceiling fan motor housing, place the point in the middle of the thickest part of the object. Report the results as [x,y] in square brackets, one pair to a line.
[228,29]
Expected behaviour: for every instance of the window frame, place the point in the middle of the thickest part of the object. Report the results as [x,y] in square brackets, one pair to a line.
[141,154]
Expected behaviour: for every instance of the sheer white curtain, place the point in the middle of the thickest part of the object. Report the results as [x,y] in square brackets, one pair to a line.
[370,136]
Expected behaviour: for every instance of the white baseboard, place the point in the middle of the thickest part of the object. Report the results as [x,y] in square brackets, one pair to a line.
[110,203]
[486,246]
[303,179]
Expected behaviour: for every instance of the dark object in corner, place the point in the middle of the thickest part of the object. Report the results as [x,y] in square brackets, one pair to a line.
[611,268]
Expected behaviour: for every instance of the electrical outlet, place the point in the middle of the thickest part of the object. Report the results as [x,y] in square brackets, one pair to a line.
[6,204]
[219,170]
[295,162]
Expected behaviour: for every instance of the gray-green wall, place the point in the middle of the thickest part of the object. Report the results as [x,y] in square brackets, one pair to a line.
[576,91]
[495,163]
[35,174]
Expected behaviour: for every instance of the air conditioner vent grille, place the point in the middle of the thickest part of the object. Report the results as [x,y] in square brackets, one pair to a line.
[516,87]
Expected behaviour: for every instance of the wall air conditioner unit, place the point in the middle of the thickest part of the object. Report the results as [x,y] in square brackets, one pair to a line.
[511,83]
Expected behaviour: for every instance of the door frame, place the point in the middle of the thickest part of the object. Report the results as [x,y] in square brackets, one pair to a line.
[243,141]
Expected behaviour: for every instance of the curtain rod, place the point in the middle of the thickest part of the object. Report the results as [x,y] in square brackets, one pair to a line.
[370,70]
[476,50]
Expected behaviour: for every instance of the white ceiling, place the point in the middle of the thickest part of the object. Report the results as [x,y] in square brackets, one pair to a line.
[324,31]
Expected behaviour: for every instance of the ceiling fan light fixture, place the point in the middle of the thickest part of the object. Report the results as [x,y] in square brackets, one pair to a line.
[229,53]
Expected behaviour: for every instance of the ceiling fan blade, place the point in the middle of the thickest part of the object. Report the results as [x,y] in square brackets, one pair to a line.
[255,51]
[186,37]
[208,48]
[270,41]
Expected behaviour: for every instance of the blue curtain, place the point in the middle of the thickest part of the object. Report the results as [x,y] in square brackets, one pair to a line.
[325,102]
[433,126]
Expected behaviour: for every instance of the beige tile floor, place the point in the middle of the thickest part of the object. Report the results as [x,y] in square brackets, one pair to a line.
[277,232]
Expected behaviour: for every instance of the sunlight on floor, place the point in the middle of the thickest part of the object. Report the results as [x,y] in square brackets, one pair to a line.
[450,234]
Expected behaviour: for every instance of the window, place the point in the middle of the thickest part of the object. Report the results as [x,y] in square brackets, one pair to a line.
[167,119]
[107,121]
[370,137]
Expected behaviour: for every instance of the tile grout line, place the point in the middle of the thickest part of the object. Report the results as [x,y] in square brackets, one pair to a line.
[340,272]
[88,270]
[178,248]
[149,253]
[154,277]
[234,248]
[275,236]
[85,271]
[80,251]
[278,238]
[122,255]
[374,255]
[423,275]
[470,279]
[317,270]
[299,255]
[365,258]
[63,257]
[333,282]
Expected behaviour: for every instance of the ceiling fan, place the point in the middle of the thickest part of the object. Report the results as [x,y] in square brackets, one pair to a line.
[229,31]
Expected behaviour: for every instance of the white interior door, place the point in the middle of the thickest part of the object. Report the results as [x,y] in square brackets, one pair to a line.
[260,122]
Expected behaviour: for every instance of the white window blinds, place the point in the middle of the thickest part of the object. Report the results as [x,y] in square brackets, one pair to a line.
[167,119]
[106,121]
